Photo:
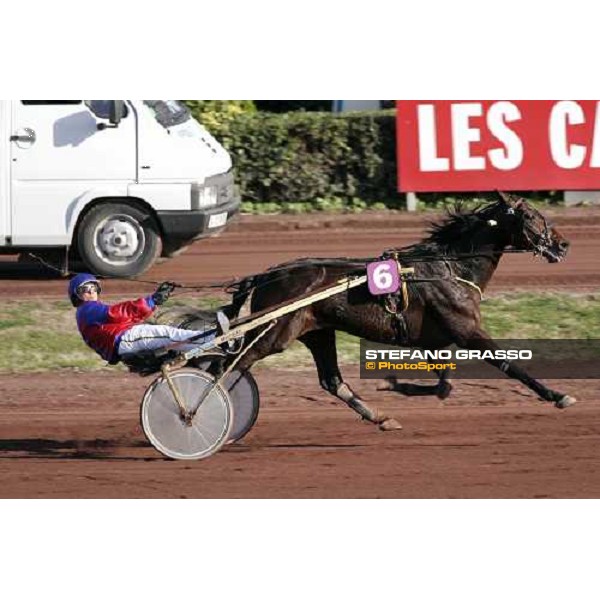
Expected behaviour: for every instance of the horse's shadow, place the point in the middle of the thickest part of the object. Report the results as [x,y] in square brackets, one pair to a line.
[20,448]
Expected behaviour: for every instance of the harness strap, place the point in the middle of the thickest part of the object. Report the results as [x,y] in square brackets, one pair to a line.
[389,303]
[471,284]
[402,271]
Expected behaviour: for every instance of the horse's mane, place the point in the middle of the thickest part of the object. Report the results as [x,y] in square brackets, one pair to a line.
[460,223]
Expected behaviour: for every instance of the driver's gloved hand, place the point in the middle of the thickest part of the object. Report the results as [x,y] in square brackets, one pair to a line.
[162,293]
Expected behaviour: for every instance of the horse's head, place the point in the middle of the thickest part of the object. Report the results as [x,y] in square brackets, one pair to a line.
[529,230]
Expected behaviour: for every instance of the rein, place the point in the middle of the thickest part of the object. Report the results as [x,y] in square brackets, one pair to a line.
[68,273]
[232,283]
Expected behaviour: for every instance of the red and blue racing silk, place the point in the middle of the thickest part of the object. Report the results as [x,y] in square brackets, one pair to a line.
[102,325]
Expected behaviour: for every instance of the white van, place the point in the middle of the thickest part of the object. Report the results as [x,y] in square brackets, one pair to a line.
[115,183]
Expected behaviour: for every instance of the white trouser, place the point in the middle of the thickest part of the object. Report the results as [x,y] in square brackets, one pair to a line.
[153,337]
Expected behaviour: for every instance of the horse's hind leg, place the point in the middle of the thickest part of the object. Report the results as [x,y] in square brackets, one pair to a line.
[442,389]
[321,343]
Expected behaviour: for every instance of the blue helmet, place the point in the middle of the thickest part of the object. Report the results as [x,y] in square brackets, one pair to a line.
[76,282]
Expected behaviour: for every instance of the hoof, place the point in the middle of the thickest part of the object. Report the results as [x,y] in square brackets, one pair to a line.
[444,391]
[390,425]
[565,402]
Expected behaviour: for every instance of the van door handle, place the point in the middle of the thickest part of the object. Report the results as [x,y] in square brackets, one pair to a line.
[28,137]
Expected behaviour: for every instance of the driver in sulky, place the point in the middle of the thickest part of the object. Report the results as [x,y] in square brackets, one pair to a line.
[118,331]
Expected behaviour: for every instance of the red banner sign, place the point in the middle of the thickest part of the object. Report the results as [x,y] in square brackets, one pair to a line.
[479,145]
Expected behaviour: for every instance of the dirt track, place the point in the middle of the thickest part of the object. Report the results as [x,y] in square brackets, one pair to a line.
[490,440]
[59,438]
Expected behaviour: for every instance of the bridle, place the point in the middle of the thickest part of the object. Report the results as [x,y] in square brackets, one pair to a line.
[538,241]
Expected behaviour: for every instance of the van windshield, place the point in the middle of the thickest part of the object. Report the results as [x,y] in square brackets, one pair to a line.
[168,112]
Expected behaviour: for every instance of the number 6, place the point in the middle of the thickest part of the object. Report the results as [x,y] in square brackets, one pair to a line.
[382,277]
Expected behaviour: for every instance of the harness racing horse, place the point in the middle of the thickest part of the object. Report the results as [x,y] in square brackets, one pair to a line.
[460,255]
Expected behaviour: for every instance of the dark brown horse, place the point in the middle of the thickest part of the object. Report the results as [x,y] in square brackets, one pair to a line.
[467,245]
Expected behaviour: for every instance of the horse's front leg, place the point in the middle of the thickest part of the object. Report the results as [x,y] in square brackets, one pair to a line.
[482,341]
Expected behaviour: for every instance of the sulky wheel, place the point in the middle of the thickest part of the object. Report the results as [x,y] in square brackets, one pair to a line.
[192,438]
[243,394]
[245,399]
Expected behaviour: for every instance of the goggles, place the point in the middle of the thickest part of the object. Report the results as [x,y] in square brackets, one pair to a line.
[88,288]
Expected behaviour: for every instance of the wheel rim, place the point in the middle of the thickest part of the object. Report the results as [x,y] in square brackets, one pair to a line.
[164,427]
[244,397]
[119,239]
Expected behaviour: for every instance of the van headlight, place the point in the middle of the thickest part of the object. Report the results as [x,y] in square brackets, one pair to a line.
[204,196]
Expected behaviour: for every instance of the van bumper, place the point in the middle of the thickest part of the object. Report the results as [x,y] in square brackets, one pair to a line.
[182,227]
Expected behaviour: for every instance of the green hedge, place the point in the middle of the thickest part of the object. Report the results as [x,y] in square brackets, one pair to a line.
[217,115]
[326,160]
[282,106]
[307,156]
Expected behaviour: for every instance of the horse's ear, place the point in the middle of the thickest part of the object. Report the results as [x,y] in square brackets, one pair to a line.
[510,200]
[505,198]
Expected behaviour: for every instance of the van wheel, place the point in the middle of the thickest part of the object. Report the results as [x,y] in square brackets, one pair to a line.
[118,240]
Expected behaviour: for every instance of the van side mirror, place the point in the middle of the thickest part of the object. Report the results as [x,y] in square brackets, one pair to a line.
[114,111]
[117,112]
